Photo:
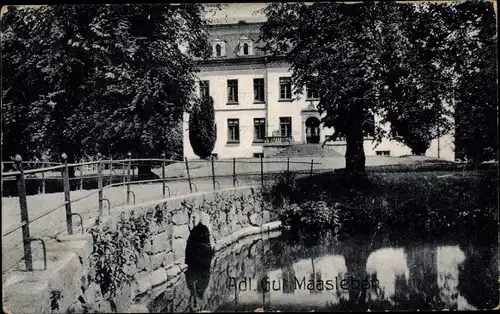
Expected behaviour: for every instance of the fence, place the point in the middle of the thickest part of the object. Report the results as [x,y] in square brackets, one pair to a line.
[126,171]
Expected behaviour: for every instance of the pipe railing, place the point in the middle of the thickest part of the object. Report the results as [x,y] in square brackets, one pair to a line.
[126,166]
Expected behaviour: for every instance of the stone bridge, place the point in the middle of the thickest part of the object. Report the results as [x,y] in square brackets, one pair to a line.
[125,258]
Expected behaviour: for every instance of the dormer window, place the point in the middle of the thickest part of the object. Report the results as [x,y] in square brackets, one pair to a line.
[245,47]
[219,48]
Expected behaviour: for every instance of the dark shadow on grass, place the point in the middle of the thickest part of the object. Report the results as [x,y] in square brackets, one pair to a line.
[418,205]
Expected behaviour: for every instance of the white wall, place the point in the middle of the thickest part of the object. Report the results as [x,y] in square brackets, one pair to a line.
[272,110]
[245,111]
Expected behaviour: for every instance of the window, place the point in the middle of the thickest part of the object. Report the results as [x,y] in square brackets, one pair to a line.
[258,90]
[285,88]
[258,155]
[218,50]
[312,94]
[232,91]
[233,130]
[286,126]
[204,89]
[383,152]
[245,49]
[259,126]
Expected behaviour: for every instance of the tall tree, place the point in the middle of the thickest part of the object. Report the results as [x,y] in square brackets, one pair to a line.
[474,36]
[84,79]
[414,97]
[202,132]
[329,48]
[386,59]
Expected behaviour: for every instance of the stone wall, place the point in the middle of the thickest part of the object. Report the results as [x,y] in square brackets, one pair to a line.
[207,289]
[130,254]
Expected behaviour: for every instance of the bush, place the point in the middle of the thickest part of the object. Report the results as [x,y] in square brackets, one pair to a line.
[311,220]
[418,206]
[202,131]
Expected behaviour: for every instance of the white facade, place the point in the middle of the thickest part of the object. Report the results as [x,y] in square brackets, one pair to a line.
[233,65]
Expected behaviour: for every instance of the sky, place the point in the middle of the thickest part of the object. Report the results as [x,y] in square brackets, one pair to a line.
[234,12]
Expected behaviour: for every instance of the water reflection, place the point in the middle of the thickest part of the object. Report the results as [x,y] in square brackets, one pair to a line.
[279,274]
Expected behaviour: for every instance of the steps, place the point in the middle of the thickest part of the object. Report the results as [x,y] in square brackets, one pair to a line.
[307,150]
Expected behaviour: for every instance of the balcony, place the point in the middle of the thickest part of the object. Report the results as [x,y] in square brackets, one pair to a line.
[278,141]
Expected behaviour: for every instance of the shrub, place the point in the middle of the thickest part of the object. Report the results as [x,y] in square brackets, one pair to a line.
[202,131]
[418,206]
[279,190]
[311,220]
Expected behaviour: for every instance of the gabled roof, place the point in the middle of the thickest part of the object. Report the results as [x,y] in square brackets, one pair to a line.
[233,34]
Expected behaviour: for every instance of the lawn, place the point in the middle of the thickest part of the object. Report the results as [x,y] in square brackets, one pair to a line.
[419,205]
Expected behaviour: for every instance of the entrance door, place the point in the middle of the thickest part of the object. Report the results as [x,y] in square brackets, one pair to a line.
[312,130]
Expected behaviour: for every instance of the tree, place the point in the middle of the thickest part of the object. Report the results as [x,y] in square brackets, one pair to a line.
[416,89]
[101,78]
[202,132]
[474,31]
[325,45]
[380,59]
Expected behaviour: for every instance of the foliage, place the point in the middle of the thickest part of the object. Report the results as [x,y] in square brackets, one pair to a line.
[476,107]
[115,251]
[421,205]
[92,86]
[381,59]
[282,186]
[416,82]
[202,132]
[314,219]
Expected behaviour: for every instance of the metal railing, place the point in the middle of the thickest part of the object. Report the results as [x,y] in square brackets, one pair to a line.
[127,165]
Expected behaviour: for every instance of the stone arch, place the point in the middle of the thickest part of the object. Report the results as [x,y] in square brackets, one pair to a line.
[305,115]
[312,130]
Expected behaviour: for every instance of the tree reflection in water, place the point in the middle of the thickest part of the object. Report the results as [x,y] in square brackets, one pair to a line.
[478,276]
[420,276]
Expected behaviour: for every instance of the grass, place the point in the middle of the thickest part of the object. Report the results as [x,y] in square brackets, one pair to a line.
[244,167]
[419,205]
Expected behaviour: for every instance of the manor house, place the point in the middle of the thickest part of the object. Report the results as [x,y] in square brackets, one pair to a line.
[255,111]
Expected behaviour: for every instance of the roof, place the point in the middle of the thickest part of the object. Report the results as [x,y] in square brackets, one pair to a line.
[231,34]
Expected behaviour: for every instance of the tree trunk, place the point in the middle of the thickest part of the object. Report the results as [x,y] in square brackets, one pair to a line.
[356,259]
[419,149]
[144,172]
[355,154]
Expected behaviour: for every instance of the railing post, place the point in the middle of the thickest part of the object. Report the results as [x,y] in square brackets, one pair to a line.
[213,171]
[45,159]
[288,168]
[111,170]
[129,166]
[21,193]
[43,178]
[234,172]
[99,182]
[261,171]
[80,170]
[163,155]
[189,177]
[67,199]
[312,163]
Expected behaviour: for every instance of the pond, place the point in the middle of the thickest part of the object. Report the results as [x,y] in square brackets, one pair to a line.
[277,273]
